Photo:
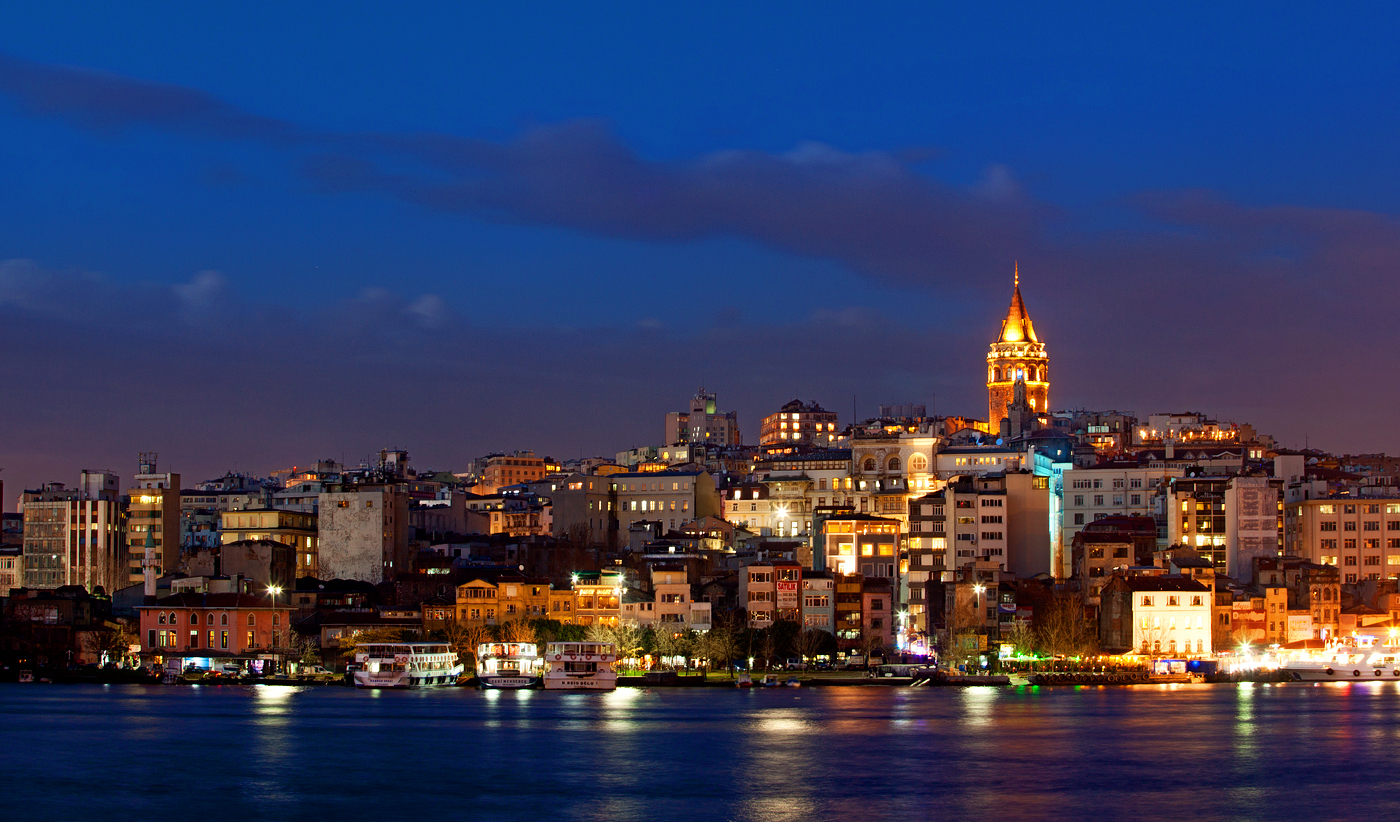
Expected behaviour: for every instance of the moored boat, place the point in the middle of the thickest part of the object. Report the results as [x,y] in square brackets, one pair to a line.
[508,665]
[1345,664]
[580,666]
[406,665]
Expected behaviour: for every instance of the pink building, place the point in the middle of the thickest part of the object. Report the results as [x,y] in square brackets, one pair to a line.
[213,625]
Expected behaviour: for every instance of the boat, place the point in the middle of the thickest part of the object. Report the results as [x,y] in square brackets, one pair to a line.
[26,676]
[1345,664]
[580,666]
[406,665]
[508,665]
[744,680]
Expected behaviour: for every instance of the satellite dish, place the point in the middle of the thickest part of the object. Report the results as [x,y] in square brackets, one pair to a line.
[999,442]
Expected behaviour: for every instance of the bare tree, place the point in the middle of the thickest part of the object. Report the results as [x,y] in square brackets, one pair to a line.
[809,643]
[721,644]
[112,645]
[517,630]
[1063,630]
[464,639]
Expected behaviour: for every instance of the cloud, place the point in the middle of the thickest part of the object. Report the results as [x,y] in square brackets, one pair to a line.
[257,387]
[1272,314]
[110,103]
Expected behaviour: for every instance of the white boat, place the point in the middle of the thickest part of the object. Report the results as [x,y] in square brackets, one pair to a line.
[508,665]
[1346,664]
[406,665]
[580,666]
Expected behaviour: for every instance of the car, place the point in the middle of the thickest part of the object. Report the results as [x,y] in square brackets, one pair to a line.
[795,664]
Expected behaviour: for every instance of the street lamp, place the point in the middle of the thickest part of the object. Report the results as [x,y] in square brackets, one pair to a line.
[274,590]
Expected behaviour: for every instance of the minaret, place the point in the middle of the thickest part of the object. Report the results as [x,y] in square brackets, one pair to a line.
[148,569]
[1016,354]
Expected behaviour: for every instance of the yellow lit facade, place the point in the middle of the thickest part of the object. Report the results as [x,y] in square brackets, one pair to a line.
[1016,354]
[293,528]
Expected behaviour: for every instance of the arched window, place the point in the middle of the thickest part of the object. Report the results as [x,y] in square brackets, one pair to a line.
[194,619]
[276,619]
[1033,373]
[160,618]
[894,463]
[996,375]
[251,621]
[1144,646]
[1157,647]
[869,464]
[918,462]
[223,619]
[211,619]
[1171,647]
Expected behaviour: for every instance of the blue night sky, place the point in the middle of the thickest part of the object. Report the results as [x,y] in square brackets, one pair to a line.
[245,235]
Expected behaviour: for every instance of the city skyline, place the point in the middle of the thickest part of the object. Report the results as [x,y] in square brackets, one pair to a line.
[550,239]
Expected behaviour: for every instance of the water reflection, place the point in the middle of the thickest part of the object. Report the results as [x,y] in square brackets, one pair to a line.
[1246,751]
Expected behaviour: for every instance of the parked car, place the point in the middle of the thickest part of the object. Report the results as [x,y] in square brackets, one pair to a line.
[796,664]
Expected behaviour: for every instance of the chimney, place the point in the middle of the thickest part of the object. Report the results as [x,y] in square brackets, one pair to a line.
[1171,448]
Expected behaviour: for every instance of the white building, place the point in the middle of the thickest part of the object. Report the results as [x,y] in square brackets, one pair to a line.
[1156,615]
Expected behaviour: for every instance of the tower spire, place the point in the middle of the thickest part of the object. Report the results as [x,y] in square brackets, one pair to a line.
[1018,274]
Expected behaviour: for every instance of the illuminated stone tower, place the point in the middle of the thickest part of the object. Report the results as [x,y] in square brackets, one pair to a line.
[1016,354]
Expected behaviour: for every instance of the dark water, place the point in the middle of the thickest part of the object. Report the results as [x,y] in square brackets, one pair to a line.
[1184,752]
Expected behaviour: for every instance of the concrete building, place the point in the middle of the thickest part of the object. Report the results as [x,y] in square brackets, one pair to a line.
[219,625]
[598,596]
[1156,616]
[1228,520]
[702,423]
[771,591]
[859,544]
[293,528]
[363,533]
[890,461]
[11,568]
[516,468]
[154,509]
[798,423]
[818,600]
[602,510]
[75,536]
[1360,537]
[264,562]
[999,518]
[1124,487]
[676,608]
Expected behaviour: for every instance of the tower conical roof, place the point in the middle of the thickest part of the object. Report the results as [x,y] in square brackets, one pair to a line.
[1017,326]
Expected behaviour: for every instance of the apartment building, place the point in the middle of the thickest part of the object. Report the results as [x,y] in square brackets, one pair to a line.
[74,536]
[1359,536]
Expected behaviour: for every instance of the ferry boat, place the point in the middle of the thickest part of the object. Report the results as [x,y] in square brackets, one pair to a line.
[508,665]
[406,665]
[580,666]
[1346,664]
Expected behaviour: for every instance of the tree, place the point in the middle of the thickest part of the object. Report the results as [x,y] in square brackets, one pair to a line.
[301,647]
[722,644]
[1022,638]
[960,644]
[350,643]
[809,643]
[464,639]
[671,643]
[517,630]
[111,645]
[1063,631]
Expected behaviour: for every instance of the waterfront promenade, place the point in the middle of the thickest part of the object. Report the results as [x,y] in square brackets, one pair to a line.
[1246,751]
